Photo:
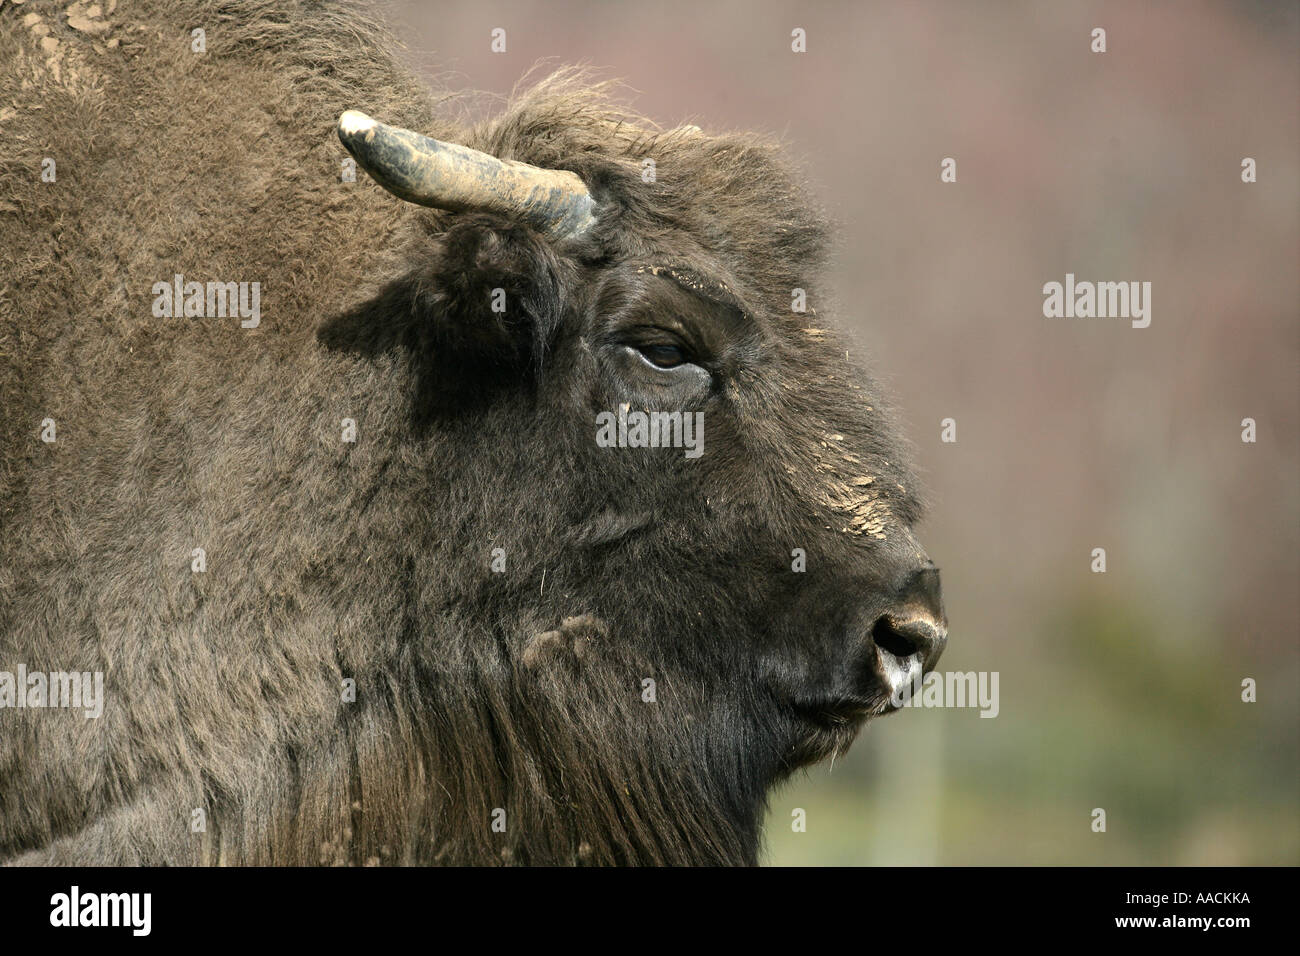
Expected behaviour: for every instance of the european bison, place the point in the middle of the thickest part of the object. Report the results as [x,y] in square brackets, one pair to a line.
[354,501]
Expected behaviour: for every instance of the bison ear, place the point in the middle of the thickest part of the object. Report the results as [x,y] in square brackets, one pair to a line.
[493,290]
[479,301]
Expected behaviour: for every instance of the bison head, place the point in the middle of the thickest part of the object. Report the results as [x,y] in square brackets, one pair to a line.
[644,634]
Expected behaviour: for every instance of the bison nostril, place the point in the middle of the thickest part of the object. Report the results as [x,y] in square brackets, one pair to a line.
[914,626]
[891,639]
[912,637]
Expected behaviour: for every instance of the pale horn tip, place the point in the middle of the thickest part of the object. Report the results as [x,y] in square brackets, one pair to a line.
[353,123]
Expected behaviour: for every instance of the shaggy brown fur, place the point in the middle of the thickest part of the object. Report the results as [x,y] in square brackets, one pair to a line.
[371,561]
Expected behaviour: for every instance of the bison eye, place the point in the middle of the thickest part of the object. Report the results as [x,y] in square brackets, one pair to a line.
[662,355]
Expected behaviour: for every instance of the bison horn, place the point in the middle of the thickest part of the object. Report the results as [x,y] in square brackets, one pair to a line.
[447,176]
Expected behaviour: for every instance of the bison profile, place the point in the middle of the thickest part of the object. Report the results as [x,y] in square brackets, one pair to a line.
[361,581]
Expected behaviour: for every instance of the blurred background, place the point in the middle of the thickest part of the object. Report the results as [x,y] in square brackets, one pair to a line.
[1120,690]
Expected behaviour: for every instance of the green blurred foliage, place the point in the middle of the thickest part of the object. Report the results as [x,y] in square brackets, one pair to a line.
[1154,731]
